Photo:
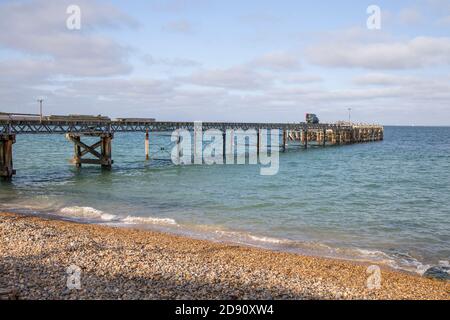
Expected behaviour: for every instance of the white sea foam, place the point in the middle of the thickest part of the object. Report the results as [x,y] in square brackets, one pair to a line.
[444,263]
[148,220]
[408,263]
[244,237]
[90,213]
[372,253]
[267,239]
[87,213]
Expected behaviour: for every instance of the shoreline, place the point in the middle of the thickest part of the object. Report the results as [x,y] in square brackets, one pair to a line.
[232,237]
[128,263]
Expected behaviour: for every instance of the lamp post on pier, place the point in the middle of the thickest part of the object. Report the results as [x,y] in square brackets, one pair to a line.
[40,108]
[349,115]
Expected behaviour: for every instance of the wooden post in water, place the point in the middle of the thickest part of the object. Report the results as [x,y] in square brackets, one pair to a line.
[324,137]
[224,146]
[178,159]
[6,156]
[147,146]
[106,161]
[305,132]
[230,148]
[284,140]
[102,158]
[258,142]
[77,152]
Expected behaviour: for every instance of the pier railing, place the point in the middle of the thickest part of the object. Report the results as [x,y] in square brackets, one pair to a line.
[88,126]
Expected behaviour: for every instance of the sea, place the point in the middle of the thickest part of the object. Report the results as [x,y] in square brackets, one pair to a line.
[384,202]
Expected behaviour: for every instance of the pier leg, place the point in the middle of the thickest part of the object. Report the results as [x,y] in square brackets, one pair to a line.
[258,142]
[77,152]
[230,148]
[224,146]
[324,137]
[106,161]
[306,138]
[147,146]
[178,148]
[102,158]
[284,140]
[6,156]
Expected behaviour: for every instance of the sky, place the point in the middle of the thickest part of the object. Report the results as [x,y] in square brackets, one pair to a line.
[215,60]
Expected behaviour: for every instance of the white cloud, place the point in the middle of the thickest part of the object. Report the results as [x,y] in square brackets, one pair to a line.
[38,29]
[239,78]
[170,62]
[383,79]
[300,79]
[416,53]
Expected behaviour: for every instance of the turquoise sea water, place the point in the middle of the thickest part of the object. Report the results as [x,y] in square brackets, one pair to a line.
[387,202]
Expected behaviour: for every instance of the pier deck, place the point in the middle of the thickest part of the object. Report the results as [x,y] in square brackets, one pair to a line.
[35,126]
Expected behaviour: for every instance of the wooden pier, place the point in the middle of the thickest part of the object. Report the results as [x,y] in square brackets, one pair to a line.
[75,128]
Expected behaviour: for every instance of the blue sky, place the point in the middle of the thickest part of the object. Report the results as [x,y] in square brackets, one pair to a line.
[229,60]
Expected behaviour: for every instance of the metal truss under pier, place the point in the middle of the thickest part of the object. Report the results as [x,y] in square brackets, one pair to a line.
[112,126]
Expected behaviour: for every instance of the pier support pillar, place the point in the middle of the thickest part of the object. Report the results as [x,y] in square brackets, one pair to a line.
[77,151]
[81,149]
[258,142]
[284,140]
[324,137]
[224,146]
[333,137]
[147,146]
[305,138]
[6,156]
[106,161]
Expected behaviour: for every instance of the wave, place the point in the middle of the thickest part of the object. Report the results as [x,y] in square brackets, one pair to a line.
[400,261]
[87,213]
[148,220]
[92,214]
[267,239]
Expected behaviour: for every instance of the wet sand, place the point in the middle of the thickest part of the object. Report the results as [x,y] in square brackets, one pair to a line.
[119,263]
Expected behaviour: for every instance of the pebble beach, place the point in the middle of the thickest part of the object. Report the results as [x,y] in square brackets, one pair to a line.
[122,263]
